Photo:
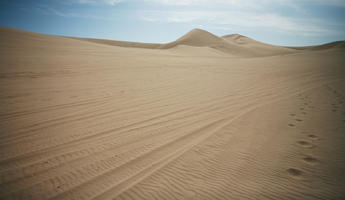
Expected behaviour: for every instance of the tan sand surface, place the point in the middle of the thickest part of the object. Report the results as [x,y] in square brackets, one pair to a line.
[203,117]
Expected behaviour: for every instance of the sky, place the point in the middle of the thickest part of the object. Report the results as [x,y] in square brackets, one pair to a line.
[279,22]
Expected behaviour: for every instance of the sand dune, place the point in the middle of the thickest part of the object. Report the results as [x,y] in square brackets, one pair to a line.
[235,45]
[191,119]
[339,45]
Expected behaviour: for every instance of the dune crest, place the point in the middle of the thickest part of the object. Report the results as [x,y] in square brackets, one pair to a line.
[196,37]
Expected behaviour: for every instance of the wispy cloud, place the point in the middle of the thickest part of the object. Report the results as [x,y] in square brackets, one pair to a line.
[268,21]
[236,3]
[264,14]
[47,10]
[96,2]
[250,3]
[328,2]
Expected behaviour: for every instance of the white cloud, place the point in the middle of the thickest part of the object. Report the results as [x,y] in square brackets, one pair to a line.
[268,21]
[250,4]
[246,13]
[235,3]
[46,10]
[108,2]
[329,2]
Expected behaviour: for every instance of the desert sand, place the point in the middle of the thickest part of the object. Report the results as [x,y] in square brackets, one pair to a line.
[203,117]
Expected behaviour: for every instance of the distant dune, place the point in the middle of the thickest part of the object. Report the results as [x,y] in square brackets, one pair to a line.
[234,44]
[332,45]
[202,117]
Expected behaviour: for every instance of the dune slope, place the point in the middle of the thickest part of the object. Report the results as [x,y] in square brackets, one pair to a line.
[83,120]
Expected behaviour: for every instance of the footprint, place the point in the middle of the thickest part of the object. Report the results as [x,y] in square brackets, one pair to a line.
[301,108]
[305,144]
[291,125]
[314,137]
[294,172]
[299,120]
[304,113]
[292,114]
[310,159]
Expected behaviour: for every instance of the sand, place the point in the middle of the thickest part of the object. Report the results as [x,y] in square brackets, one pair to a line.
[203,117]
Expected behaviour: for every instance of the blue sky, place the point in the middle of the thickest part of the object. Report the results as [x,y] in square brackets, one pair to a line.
[281,22]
